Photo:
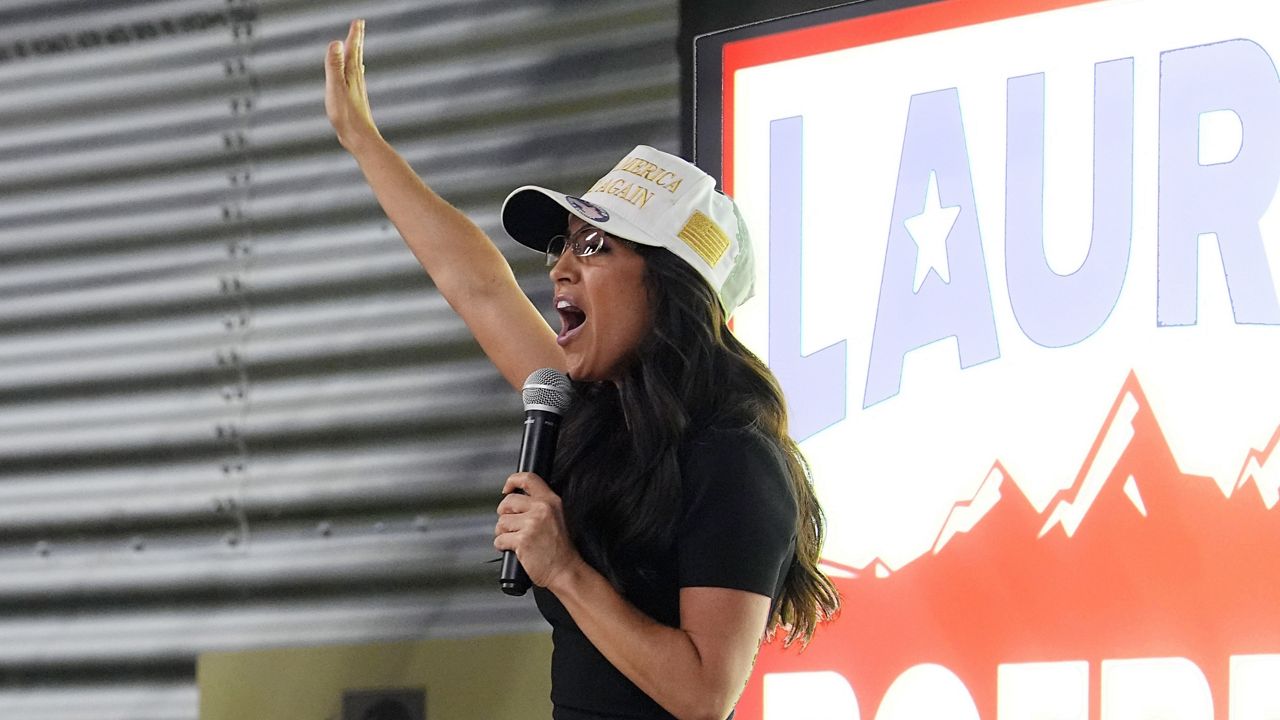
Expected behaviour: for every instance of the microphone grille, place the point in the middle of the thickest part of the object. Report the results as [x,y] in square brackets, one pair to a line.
[548,390]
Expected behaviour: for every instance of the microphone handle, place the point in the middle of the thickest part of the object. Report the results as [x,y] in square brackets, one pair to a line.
[537,451]
[538,448]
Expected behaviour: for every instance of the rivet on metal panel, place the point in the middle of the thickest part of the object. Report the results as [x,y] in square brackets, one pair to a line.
[324,529]
[232,539]
[137,543]
[43,549]
[420,523]
[379,527]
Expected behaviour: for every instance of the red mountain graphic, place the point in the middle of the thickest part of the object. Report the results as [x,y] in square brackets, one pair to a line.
[1136,560]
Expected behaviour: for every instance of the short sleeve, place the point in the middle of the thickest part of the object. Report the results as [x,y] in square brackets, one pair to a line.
[738,526]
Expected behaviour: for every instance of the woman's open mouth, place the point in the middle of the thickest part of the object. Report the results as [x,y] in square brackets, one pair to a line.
[572,319]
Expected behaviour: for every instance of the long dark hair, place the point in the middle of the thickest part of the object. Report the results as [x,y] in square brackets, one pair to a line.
[618,468]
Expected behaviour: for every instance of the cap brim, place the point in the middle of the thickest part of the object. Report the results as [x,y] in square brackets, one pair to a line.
[532,215]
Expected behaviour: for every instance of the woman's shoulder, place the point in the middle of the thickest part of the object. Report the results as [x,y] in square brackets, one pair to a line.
[731,438]
[739,455]
[735,484]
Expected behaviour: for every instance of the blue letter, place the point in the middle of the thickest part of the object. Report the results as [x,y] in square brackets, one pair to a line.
[1058,310]
[906,319]
[1226,198]
[814,384]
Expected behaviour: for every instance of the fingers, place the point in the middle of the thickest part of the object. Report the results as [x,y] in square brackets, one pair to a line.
[347,57]
[355,55]
[514,503]
[504,525]
[359,46]
[520,514]
[508,527]
[529,483]
[353,33]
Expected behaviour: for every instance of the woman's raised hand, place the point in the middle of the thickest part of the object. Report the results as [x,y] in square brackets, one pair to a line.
[346,101]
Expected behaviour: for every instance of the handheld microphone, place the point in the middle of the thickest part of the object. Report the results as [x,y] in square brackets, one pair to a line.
[547,394]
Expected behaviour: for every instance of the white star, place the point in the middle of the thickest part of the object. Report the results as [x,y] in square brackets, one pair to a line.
[929,230]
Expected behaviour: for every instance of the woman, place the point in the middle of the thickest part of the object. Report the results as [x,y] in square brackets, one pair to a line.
[682,528]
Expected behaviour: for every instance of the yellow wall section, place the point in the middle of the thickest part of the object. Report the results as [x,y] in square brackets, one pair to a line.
[497,677]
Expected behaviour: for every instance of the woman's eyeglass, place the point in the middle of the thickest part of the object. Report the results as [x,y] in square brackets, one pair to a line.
[586,241]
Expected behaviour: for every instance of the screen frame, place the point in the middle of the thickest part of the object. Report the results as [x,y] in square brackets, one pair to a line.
[708,69]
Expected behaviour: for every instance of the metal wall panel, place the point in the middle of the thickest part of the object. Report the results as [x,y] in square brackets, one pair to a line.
[233,411]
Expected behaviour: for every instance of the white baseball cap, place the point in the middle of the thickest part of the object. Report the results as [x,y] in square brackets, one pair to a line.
[651,198]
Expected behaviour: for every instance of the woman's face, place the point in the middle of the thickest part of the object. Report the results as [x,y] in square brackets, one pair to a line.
[603,305]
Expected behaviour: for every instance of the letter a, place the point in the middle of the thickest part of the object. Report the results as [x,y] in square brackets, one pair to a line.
[906,319]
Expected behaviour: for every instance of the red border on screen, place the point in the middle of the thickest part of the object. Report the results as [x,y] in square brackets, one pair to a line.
[867,30]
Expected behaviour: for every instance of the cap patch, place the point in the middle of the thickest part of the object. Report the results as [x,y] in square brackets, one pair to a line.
[704,237]
[594,212]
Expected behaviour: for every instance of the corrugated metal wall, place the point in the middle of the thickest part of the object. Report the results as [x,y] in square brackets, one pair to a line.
[233,411]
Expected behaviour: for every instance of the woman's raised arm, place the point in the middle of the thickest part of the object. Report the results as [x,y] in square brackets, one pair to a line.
[463,262]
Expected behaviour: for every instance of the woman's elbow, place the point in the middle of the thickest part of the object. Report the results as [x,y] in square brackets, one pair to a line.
[710,705]
[710,712]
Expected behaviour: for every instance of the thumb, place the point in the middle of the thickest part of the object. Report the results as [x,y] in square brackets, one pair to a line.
[334,61]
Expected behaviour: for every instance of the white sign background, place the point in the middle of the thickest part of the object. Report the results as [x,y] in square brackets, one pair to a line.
[889,474]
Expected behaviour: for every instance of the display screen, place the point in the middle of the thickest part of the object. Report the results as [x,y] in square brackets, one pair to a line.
[1017,268]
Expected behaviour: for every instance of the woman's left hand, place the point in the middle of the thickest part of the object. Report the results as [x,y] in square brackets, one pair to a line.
[533,526]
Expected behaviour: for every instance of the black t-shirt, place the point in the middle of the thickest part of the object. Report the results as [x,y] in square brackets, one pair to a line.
[737,531]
